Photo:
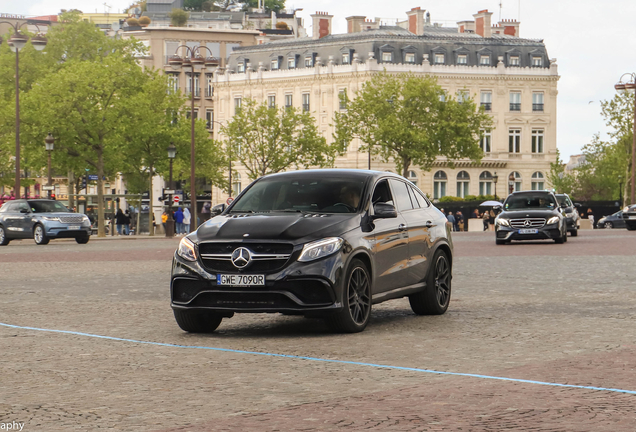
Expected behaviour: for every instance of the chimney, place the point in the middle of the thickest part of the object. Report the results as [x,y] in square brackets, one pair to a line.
[466,26]
[509,27]
[416,20]
[483,27]
[355,24]
[321,24]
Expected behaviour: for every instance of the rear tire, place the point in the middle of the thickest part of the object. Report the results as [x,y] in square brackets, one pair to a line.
[3,237]
[356,300]
[630,227]
[197,321]
[82,240]
[574,232]
[39,236]
[435,298]
[608,225]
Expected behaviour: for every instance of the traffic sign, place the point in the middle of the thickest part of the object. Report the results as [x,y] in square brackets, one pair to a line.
[176,199]
[46,187]
[93,177]
[229,200]
[168,192]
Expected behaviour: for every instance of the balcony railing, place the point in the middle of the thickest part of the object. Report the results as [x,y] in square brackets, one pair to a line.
[515,106]
[306,107]
[537,107]
[209,92]
[197,92]
[487,106]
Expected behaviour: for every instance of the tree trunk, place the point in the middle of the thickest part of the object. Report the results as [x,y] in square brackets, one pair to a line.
[101,232]
[71,190]
[406,164]
[151,230]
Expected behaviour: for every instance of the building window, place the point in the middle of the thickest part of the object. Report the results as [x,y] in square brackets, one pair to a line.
[209,85]
[517,182]
[345,58]
[537,181]
[173,83]
[196,114]
[413,177]
[409,58]
[274,65]
[209,119]
[462,59]
[236,184]
[514,140]
[486,100]
[486,141]
[288,101]
[537,61]
[537,101]
[463,184]
[463,96]
[240,67]
[237,104]
[306,102]
[439,58]
[291,62]
[442,97]
[342,97]
[515,101]
[484,60]
[309,61]
[537,140]
[514,61]
[387,56]
[271,101]
[196,84]
[485,183]
[439,184]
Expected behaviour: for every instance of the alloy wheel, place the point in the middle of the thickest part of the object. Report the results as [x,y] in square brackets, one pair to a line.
[359,296]
[442,276]
[39,234]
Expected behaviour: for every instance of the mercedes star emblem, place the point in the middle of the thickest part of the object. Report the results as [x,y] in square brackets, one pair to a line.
[241,257]
[526,223]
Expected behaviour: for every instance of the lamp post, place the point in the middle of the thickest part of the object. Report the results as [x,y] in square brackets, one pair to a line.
[630,86]
[49,143]
[16,42]
[172,153]
[194,61]
[511,183]
[494,180]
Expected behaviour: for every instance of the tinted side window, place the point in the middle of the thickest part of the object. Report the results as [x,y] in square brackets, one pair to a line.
[23,206]
[382,193]
[401,195]
[12,207]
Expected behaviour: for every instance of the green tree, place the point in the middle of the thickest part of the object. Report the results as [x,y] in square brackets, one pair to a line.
[269,5]
[178,17]
[560,180]
[598,177]
[411,120]
[269,140]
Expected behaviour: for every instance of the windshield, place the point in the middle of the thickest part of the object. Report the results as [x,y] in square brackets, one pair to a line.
[294,194]
[47,207]
[562,199]
[528,201]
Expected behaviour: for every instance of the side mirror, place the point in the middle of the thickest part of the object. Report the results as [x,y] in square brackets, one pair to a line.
[24,210]
[217,209]
[384,211]
[577,205]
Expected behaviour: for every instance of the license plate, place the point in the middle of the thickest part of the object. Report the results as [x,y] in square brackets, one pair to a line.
[240,280]
[632,217]
[528,231]
[74,227]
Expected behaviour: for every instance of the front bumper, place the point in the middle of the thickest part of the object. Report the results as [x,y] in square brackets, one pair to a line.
[63,230]
[547,232]
[312,288]
[629,218]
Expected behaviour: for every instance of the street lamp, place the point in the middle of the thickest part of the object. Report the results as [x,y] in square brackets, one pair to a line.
[630,87]
[172,153]
[16,42]
[494,180]
[49,143]
[194,61]
[511,182]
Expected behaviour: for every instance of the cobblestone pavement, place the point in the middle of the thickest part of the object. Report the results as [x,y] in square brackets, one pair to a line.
[540,312]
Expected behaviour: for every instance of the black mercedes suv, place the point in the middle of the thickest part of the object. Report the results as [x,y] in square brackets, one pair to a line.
[571,213]
[531,215]
[629,217]
[318,243]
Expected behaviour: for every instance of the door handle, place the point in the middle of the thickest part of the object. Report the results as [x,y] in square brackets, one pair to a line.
[402,227]
[429,224]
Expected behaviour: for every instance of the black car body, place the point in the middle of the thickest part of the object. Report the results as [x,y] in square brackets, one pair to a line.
[289,244]
[571,213]
[614,220]
[629,217]
[531,215]
[41,220]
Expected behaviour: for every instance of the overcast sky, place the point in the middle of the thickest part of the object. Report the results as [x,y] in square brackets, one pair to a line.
[592,41]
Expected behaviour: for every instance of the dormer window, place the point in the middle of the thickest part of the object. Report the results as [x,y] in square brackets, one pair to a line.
[439,59]
[484,60]
[240,67]
[514,60]
[274,65]
[309,61]
[409,58]
[462,59]
[387,56]
[346,59]
[537,61]
[291,62]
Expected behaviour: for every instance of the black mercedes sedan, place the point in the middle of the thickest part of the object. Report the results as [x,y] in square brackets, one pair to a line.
[318,243]
[531,215]
[629,217]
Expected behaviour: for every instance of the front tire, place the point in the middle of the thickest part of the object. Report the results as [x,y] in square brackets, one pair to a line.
[501,242]
[574,232]
[435,298]
[356,300]
[4,240]
[39,236]
[197,321]
[82,240]
[630,227]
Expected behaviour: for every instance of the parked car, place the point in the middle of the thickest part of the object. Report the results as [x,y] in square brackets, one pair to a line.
[571,213]
[629,217]
[42,220]
[531,215]
[612,221]
[318,243]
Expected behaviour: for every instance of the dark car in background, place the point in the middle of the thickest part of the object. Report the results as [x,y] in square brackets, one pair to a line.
[319,243]
[41,220]
[571,213]
[612,221]
[531,215]
[629,217]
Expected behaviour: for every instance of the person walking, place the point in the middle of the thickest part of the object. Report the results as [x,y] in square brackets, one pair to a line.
[127,225]
[206,211]
[120,221]
[186,220]
[459,217]
[178,220]
[451,219]
[590,216]
[485,217]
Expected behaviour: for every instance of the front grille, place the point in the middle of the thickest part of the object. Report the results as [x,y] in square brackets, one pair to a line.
[266,257]
[71,219]
[527,223]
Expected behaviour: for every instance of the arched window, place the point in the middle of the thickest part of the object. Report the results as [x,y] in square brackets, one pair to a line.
[538,181]
[439,184]
[517,182]
[236,184]
[413,177]
[485,183]
[463,184]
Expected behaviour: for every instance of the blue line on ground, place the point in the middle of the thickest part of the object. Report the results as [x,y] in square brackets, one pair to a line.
[317,359]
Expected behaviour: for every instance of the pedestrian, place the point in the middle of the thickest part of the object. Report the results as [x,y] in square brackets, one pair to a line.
[475,214]
[491,219]
[205,211]
[186,220]
[120,220]
[451,219]
[590,216]
[178,220]
[128,218]
[486,217]
[459,217]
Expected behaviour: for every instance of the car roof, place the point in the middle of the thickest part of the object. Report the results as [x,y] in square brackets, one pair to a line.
[331,172]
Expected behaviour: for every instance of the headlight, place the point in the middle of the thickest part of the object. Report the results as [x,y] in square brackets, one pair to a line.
[552,220]
[625,209]
[50,218]
[319,249]
[186,250]
[85,218]
[502,222]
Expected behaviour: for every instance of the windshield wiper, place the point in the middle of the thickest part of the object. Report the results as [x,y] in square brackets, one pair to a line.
[241,211]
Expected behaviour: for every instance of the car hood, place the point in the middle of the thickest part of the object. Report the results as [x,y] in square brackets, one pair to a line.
[294,227]
[530,213]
